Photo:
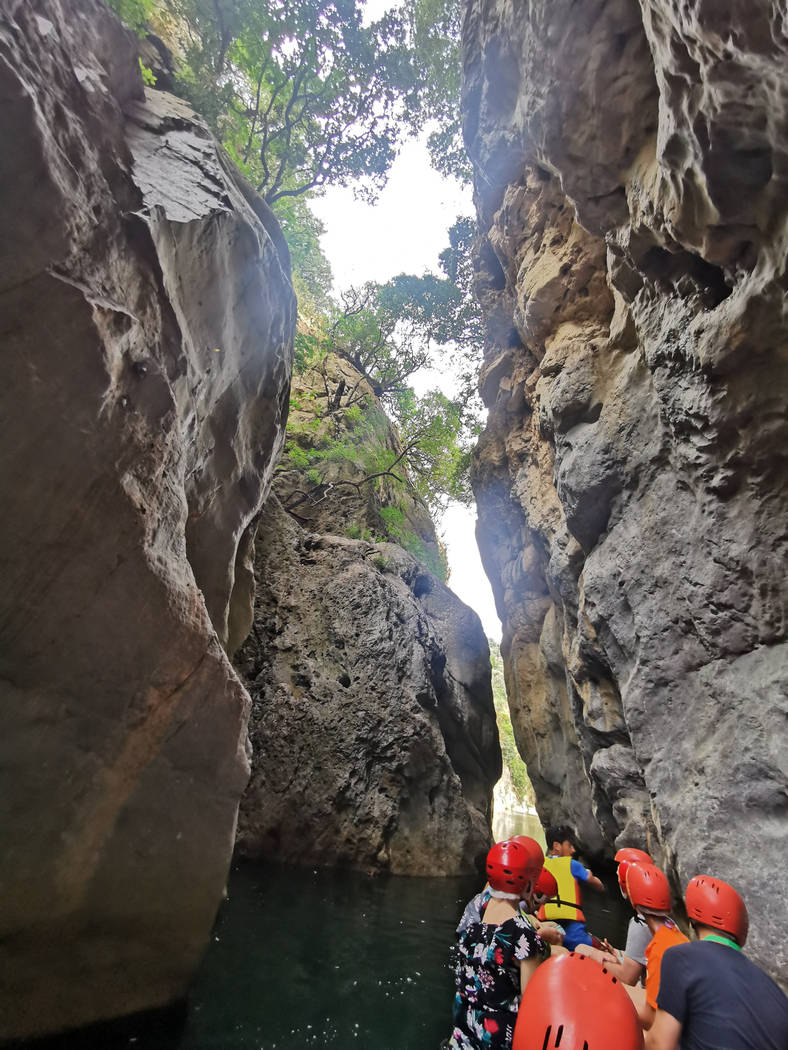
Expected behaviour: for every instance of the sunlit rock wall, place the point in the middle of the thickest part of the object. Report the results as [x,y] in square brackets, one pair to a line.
[630,172]
[147,319]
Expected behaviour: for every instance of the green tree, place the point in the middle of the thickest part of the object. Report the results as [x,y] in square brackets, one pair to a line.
[434,28]
[438,453]
[135,13]
[302,95]
[312,275]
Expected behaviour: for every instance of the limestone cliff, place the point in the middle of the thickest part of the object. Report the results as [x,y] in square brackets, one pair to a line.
[147,318]
[372,723]
[631,168]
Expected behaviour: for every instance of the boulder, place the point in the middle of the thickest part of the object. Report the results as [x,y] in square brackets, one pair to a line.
[147,316]
[373,726]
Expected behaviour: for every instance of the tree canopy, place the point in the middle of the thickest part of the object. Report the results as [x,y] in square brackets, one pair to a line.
[303,95]
[389,332]
[434,28]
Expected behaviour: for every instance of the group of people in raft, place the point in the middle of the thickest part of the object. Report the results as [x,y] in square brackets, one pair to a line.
[529,975]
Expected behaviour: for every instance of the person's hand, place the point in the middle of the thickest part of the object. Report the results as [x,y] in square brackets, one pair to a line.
[610,949]
[551,934]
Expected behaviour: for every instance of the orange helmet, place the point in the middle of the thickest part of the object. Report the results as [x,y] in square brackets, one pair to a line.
[626,856]
[647,887]
[712,902]
[534,851]
[546,884]
[571,1002]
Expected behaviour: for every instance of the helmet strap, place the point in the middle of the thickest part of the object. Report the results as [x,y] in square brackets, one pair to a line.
[720,938]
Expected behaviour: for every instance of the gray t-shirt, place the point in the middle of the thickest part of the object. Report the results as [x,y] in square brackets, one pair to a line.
[638,939]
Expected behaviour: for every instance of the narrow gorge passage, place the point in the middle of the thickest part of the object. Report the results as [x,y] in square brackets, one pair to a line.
[239,414]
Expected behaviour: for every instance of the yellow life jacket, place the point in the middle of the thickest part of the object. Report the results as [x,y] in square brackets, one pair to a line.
[568,891]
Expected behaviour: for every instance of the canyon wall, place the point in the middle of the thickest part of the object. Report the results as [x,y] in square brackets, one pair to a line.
[630,183]
[373,727]
[147,318]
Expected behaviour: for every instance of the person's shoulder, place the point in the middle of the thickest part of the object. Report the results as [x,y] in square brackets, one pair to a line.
[672,936]
[676,955]
[523,923]
[579,871]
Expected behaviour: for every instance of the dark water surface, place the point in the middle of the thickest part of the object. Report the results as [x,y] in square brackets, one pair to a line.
[327,958]
[303,958]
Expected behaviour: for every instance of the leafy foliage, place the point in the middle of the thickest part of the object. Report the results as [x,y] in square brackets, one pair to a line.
[135,13]
[388,332]
[435,29]
[521,783]
[302,95]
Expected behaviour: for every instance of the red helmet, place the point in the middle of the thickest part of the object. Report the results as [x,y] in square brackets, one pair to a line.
[571,1002]
[508,867]
[647,887]
[546,884]
[626,856]
[712,902]
[534,851]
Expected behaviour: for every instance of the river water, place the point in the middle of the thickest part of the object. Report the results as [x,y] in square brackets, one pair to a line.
[301,958]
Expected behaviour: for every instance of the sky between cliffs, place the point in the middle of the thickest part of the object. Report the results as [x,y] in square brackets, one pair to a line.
[404,232]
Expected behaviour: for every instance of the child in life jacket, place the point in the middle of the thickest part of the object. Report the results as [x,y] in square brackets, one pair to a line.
[570,874]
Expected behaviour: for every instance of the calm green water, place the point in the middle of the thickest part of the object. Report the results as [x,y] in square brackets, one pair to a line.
[506,825]
[327,958]
[303,958]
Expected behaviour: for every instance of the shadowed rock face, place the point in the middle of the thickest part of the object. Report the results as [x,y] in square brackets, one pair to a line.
[147,320]
[631,193]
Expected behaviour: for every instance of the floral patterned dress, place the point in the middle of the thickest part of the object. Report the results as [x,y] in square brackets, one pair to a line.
[487,977]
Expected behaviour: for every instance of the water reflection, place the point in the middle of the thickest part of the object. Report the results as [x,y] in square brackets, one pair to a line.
[507,823]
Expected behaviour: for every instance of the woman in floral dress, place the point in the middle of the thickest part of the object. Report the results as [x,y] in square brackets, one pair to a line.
[497,955]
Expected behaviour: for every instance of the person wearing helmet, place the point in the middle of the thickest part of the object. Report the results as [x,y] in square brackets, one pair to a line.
[627,964]
[535,860]
[550,932]
[570,1004]
[496,954]
[649,895]
[711,996]
[569,874]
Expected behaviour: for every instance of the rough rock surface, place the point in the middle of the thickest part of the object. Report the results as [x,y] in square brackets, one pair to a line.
[373,727]
[631,163]
[147,320]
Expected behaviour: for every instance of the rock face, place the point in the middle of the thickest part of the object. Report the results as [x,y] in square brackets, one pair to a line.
[631,169]
[373,726]
[147,319]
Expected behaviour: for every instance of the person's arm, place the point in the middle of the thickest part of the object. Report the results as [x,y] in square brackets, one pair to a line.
[549,933]
[527,970]
[665,1032]
[644,1011]
[583,874]
[629,971]
[603,958]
